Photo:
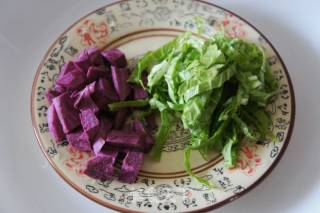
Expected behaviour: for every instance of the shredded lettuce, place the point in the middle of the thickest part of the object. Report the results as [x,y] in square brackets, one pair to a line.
[218,87]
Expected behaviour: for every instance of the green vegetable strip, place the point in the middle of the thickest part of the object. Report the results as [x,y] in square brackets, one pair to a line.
[187,166]
[123,104]
[161,136]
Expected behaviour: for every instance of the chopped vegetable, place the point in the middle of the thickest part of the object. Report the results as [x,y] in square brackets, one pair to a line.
[101,166]
[131,166]
[120,77]
[218,88]
[91,106]
[125,139]
[89,122]
[67,114]
[54,124]
[79,140]
[72,80]
[115,57]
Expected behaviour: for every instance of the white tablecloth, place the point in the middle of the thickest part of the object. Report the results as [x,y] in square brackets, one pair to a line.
[29,184]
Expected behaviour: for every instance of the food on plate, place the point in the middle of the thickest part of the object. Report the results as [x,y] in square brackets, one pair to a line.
[85,110]
[219,88]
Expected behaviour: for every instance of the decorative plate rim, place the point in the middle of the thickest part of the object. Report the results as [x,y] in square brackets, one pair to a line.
[208,208]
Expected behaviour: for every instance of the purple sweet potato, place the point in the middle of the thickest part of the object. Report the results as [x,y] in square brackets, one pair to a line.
[131,165]
[54,124]
[124,139]
[96,72]
[139,92]
[104,127]
[51,94]
[97,145]
[147,138]
[88,57]
[120,118]
[73,80]
[119,78]
[79,140]
[84,101]
[89,122]
[101,166]
[60,89]
[66,68]
[92,87]
[67,114]
[115,57]
[104,93]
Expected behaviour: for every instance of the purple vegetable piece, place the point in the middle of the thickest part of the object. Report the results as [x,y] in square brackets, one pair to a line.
[104,127]
[151,122]
[54,124]
[96,72]
[131,165]
[115,57]
[89,122]
[104,93]
[119,78]
[88,57]
[97,145]
[147,137]
[67,114]
[79,140]
[51,94]
[101,166]
[66,68]
[60,89]
[139,92]
[72,80]
[120,118]
[124,139]
[84,101]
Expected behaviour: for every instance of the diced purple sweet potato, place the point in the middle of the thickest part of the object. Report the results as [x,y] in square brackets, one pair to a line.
[120,118]
[119,78]
[66,68]
[73,80]
[54,124]
[104,94]
[88,57]
[147,138]
[124,139]
[115,57]
[94,73]
[101,166]
[60,89]
[97,145]
[51,94]
[139,92]
[104,127]
[67,114]
[89,122]
[84,101]
[131,165]
[79,140]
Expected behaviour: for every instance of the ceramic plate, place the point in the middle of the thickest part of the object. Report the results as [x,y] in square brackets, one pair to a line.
[135,27]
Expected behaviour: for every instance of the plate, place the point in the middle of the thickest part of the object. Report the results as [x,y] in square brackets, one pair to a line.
[136,27]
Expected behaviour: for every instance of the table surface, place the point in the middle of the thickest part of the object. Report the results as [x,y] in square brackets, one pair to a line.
[29,184]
